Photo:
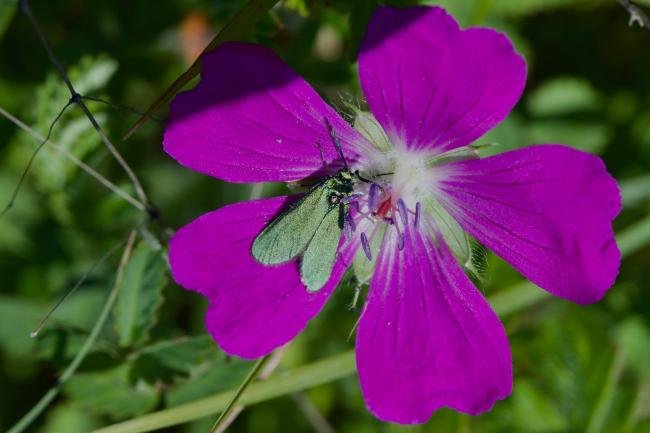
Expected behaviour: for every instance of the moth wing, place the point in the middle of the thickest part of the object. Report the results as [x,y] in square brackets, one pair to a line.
[320,255]
[287,236]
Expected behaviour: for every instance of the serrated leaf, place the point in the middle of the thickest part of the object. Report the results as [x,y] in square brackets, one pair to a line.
[140,294]
[109,393]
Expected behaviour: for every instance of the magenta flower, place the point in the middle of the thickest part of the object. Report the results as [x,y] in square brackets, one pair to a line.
[426,338]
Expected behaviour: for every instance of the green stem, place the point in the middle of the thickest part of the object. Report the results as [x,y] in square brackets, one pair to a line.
[235,398]
[45,401]
[287,382]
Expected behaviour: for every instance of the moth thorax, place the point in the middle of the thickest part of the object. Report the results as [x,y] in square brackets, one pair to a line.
[345,175]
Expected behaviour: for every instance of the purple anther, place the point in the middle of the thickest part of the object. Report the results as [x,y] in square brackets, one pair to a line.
[417,215]
[366,246]
[400,242]
[401,209]
[373,196]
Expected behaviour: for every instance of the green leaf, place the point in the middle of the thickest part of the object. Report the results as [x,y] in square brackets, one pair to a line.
[14,237]
[582,135]
[634,339]
[73,132]
[526,7]
[165,360]
[108,392]
[534,411]
[635,191]
[214,378]
[7,11]
[299,6]
[140,295]
[18,317]
[69,419]
[561,96]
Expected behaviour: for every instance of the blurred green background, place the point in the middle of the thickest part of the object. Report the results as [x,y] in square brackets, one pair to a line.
[577,368]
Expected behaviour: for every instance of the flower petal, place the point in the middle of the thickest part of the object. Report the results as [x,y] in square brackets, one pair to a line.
[243,125]
[427,338]
[253,308]
[433,86]
[546,209]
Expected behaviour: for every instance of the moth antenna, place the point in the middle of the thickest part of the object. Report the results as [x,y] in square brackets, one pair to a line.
[74,288]
[337,144]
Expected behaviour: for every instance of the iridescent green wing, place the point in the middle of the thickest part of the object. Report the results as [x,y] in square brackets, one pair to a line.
[320,255]
[288,235]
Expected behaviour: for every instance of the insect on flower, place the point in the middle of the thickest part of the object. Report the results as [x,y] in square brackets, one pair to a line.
[426,337]
[312,226]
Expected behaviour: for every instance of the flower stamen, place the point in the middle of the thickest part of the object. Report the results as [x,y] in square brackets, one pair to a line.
[401,209]
[366,246]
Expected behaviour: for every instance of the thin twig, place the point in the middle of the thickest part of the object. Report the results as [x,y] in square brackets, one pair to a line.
[82,165]
[77,99]
[637,15]
[45,401]
[23,176]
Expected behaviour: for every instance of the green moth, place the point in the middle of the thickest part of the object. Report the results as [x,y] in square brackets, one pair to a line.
[311,227]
